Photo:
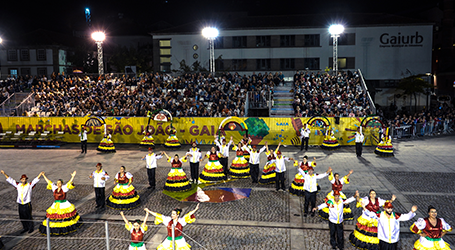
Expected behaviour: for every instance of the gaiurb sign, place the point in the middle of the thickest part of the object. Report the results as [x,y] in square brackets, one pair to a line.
[399,40]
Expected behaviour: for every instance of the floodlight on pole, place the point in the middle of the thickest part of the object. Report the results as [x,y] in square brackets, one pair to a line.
[335,30]
[1,40]
[99,37]
[211,33]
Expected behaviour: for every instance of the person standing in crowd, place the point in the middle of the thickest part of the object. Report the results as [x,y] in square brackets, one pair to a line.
[254,161]
[304,137]
[150,160]
[83,137]
[280,169]
[224,149]
[336,206]
[99,177]
[137,230]
[24,198]
[431,230]
[389,225]
[195,157]
[359,138]
[311,188]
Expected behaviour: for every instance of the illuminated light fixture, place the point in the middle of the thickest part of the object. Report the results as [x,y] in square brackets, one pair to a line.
[211,34]
[335,30]
[99,38]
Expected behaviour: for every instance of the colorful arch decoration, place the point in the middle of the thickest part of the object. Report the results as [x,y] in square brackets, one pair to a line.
[322,119]
[233,120]
[94,121]
[364,123]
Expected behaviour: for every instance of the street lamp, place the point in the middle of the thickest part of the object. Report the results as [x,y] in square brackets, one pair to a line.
[99,37]
[211,33]
[335,30]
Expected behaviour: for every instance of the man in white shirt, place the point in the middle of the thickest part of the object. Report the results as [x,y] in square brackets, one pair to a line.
[195,157]
[254,161]
[311,188]
[336,206]
[224,150]
[24,198]
[304,137]
[280,169]
[150,159]
[99,177]
[83,137]
[389,225]
[359,138]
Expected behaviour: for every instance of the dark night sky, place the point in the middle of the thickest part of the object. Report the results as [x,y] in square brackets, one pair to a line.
[17,18]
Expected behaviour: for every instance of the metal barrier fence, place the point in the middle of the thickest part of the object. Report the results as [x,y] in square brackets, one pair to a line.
[26,105]
[423,129]
[7,106]
[93,235]
[259,99]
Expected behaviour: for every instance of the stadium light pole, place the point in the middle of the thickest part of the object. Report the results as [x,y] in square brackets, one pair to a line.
[211,33]
[99,37]
[335,30]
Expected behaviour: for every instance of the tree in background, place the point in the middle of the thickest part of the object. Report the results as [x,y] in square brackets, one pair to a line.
[412,85]
[122,56]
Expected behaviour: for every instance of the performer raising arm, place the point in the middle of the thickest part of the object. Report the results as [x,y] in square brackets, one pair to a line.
[137,230]
[431,230]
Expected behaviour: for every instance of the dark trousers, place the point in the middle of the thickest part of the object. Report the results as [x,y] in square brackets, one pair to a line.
[254,172]
[387,246]
[100,197]
[194,167]
[279,181]
[310,197]
[25,214]
[358,148]
[84,146]
[336,235]
[224,162]
[151,175]
[304,143]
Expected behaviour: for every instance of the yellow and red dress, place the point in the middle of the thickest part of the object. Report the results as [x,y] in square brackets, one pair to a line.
[268,174]
[180,242]
[137,237]
[365,235]
[106,145]
[385,147]
[330,141]
[246,153]
[240,168]
[172,141]
[176,179]
[296,187]
[213,170]
[433,240]
[337,185]
[63,216]
[148,140]
[123,197]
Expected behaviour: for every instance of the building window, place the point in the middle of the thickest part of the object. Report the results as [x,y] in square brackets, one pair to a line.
[262,64]
[13,72]
[344,39]
[311,40]
[165,52]
[164,59]
[287,41]
[343,62]
[25,55]
[165,68]
[311,63]
[263,41]
[239,41]
[12,55]
[165,43]
[42,71]
[165,55]
[25,71]
[288,63]
[238,64]
[219,43]
[41,55]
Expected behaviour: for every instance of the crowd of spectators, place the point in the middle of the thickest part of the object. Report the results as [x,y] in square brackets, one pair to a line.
[193,95]
[329,95]
[12,85]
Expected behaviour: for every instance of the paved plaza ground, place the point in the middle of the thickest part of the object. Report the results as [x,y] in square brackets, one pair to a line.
[422,173]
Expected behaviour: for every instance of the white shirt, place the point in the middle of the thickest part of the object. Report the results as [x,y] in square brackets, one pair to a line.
[196,155]
[389,228]
[224,149]
[24,192]
[311,181]
[359,137]
[280,164]
[254,156]
[151,160]
[97,181]
[305,132]
[83,136]
[336,209]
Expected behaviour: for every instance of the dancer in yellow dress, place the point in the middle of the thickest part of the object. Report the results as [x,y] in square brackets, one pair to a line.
[330,141]
[296,187]
[172,141]
[239,167]
[213,170]
[148,140]
[337,185]
[431,230]
[124,196]
[137,230]
[268,174]
[385,147]
[176,179]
